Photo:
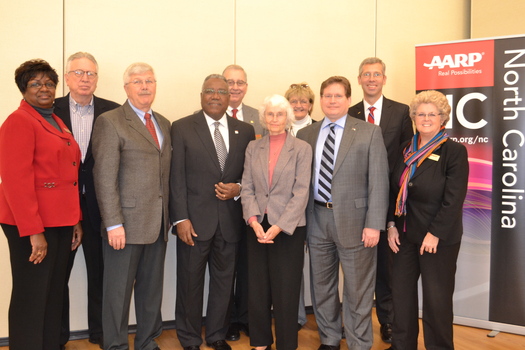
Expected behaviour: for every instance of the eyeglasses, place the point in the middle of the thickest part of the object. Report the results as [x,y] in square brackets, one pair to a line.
[36,85]
[210,92]
[303,102]
[330,96]
[375,75]
[79,73]
[430,115]
[240,83]
[297,86]
[142,82]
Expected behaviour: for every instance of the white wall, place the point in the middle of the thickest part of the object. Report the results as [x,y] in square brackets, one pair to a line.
[277,42]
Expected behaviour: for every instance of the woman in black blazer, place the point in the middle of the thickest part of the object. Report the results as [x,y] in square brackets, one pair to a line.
[428,188]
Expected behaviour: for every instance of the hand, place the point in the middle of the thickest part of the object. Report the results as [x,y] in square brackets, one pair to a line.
[117,238]
[272,232]
[77,236]
[227,191]
[185,232]
[39,248]
[393,239]
[259,231]
[430,244]
[370,237]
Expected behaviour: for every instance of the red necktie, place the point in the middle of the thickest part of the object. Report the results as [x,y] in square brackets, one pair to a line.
[371,114]
[234,113]
[151,128]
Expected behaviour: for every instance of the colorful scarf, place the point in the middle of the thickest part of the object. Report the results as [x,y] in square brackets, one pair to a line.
[413,159]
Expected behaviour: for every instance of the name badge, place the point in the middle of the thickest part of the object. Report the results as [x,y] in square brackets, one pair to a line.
[434,157]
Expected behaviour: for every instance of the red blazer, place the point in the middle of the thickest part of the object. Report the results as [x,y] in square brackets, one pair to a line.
[38,173]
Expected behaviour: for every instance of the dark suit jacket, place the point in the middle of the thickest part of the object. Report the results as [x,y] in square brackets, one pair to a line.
[132,174]
[38,171]
[85,172]
[395,124]
[436,194]
[195,170]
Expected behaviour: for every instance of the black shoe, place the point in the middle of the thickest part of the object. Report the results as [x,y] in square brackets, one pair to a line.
[243,327]
[233,332]
[192,347]
[219,345]
[328,347]
[97,339]
[386,332]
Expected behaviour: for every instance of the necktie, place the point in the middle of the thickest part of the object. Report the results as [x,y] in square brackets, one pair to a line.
[234,113]
[220,146]
[371,118]
[327,165]
[151,128]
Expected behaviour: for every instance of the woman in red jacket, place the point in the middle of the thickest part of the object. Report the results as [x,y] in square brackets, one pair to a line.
[39,208]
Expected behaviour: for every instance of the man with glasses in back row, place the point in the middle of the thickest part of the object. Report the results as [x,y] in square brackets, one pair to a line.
[396,127]
[207,167]
[78,110]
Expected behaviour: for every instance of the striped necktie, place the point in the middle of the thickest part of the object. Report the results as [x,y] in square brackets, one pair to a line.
[220,146]
[371,118]
[327,165]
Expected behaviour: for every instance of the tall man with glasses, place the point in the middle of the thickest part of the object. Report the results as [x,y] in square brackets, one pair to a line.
[207,166]
[78,110]
[238,86]
[346,211]
[396,127]
[132,150]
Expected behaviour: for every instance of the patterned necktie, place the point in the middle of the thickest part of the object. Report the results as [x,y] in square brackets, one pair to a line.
[371,118]
[220,146]
[327,165]
[234,113]
[151,128]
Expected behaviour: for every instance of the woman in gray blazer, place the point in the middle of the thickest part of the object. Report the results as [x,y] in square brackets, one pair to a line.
[275,186]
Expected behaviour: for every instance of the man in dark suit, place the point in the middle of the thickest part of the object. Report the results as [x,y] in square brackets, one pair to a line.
[346,210]
[79,110]
[207,166]
[396,127]
[238,86]
[132,150]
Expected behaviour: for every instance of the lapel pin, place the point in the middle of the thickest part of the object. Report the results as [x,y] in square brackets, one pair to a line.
[236,131]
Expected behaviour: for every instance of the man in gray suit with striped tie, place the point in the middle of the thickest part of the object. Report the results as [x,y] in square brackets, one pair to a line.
[347,208]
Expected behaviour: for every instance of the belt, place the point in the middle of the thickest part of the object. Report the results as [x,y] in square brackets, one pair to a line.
[328,205]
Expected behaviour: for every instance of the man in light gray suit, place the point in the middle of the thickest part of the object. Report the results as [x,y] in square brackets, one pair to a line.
[132,151]
[347,208]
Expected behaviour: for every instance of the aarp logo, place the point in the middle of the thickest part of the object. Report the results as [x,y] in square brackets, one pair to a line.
[455,65]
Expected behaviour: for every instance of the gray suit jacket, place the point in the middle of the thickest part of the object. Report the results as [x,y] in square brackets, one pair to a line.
[359,182]
[250,115]
[285,200]
[132,174]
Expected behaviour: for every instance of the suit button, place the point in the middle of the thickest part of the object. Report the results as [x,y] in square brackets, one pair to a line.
[74,183]
[410,184]
[69,143]
[74,163]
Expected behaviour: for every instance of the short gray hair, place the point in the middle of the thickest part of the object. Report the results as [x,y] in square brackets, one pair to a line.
[137,68]
[213,76]
[372,60]
[78,55]
[276,101]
